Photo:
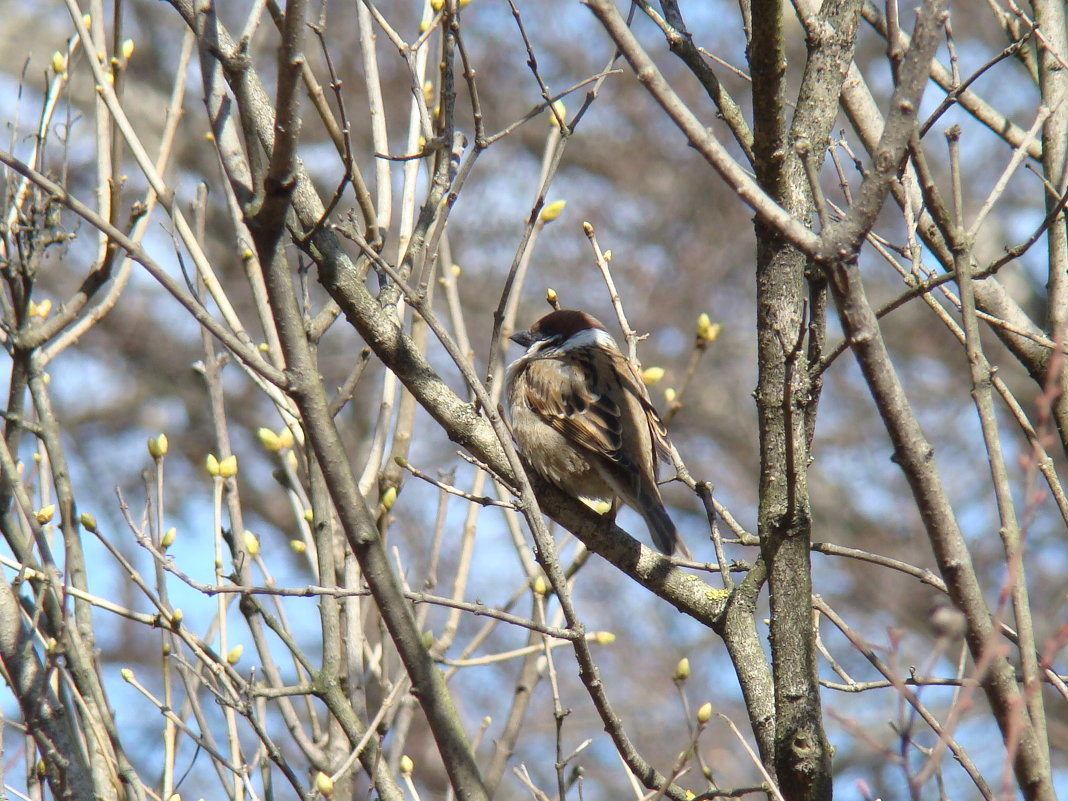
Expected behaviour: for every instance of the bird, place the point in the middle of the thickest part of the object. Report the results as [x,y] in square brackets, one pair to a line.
[582,418]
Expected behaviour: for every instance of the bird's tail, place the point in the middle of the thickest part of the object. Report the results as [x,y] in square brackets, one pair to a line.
[665,535]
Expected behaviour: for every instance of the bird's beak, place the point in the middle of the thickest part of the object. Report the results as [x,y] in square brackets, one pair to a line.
[522,338]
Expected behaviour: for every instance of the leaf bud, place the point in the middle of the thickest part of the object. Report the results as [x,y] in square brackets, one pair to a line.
[285,437]
[704,713]
[157,446]
[552,210]
[650,375]
[269,440]
[228,466]
[324,784]
[682,670]
[557,112]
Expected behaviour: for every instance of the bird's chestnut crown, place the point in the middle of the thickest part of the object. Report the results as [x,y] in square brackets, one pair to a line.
[558,326]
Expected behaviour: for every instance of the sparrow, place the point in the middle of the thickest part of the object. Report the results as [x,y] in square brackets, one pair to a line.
[582,418]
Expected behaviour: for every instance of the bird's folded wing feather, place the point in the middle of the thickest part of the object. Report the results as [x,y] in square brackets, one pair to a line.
[564,394]
[656,426]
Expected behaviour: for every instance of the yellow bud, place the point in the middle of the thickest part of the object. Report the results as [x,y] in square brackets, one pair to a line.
[423,26]
[551,297]
[464,3]
[157,446]
[88,521]
[247,254]
[177,616]
[127,48]
[650,375]
[168,538]
[47,378]
[428,639]
[269,440]
[127,674]
[604,637]
[44,308]
[587,228]
[607,255]
[670,394]
[682,670]
[252,543]
[552,210]
[233,656]
[437,5]
[561,112]
[166,649]
[45,514]
[309,516]
[324,784]
[209,136]
[263,347]
[704,714]
[211,464]
[540,586]
[704,323]
[59,63]
[51,645]
[228,466]
[389,497]
[406,765]
[456,271]
[428,87]
[110,78]
[706,331]
[298,546]
[174,797]
[690,796]
[285,437]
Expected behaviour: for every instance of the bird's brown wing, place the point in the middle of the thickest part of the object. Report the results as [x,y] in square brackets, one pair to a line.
[657,429]
[564,393]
